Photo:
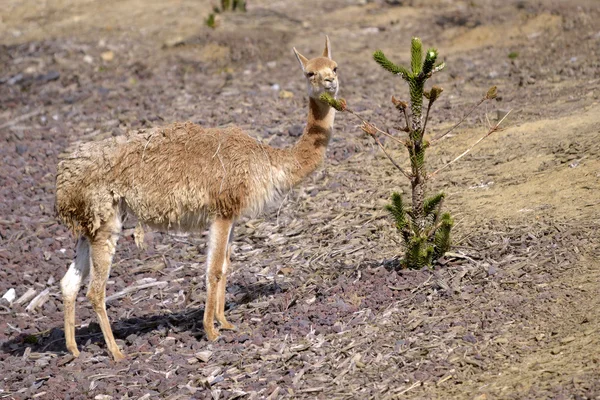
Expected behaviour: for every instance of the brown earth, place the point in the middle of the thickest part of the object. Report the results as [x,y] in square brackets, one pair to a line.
[513,312]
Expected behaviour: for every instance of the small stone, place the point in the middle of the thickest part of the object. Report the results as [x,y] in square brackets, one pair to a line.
[108,56]
[284,94]
[47,77]
[501,114]
[15,79]
[568,339]
[174,42]
[42,362]
[88,59]
[469,338]
[204,356]
[296,130]
[131,338]
[555,79]
[10,295]
[244,337]
[21,149]
[258,341]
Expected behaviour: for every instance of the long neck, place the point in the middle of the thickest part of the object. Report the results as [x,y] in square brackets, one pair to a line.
[309,151]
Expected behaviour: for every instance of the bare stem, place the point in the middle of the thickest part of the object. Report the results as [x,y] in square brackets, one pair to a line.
[493,129]
[461,120]
[426,118]
[390,157]
[406,117]
[364,121]
[371,130]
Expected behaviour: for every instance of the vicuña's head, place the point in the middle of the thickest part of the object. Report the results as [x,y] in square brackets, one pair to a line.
[320,72]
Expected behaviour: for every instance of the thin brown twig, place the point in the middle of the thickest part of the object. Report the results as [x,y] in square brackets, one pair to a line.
[492,130]
[373,127]
[461,120]
[364,121]
[426,119]
[390,157]
[407,119]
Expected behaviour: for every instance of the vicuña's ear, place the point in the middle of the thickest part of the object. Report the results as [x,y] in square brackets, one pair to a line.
[327,50]
[301,59]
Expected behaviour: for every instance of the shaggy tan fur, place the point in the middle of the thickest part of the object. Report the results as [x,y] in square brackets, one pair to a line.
[181,177]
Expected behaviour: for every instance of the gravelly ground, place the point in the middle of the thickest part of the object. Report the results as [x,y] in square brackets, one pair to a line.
[321,312]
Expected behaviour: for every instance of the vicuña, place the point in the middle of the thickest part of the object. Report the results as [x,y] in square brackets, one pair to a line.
[181,177]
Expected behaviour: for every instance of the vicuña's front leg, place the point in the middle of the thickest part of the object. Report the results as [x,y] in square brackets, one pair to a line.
[103,248]
[220,313]
[217,254]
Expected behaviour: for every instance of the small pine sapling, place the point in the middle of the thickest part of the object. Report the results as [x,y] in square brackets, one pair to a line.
[226,5]
[424,228]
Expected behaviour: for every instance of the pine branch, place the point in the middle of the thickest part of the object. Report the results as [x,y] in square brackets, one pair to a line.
[430,204]
[429,61]
[442,235]
[386,64]
[397,210]
[432,95]
[339,105]
[416,56]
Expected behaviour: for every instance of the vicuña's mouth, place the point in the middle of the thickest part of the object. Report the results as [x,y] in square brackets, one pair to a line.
[331,89]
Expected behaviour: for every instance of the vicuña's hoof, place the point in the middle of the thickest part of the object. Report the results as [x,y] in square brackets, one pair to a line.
[212,335]
[118,356]
[228,326]
[74,352]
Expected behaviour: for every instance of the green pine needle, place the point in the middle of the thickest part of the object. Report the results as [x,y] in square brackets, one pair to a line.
[397,210]
[430,58]
[419,253]
[210,21]
[417,160]
[386,64]
[442,236]
[431,204]
[416,56]
[339,105]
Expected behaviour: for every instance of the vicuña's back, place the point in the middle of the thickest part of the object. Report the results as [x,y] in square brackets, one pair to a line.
[175,177]
[181,177]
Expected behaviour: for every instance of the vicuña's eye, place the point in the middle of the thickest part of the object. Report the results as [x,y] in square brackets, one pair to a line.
[335,70]
[310,74]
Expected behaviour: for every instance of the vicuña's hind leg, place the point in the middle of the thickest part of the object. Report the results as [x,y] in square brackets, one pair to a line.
[103,248]
[217,249]
[70,285]
[220,312]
